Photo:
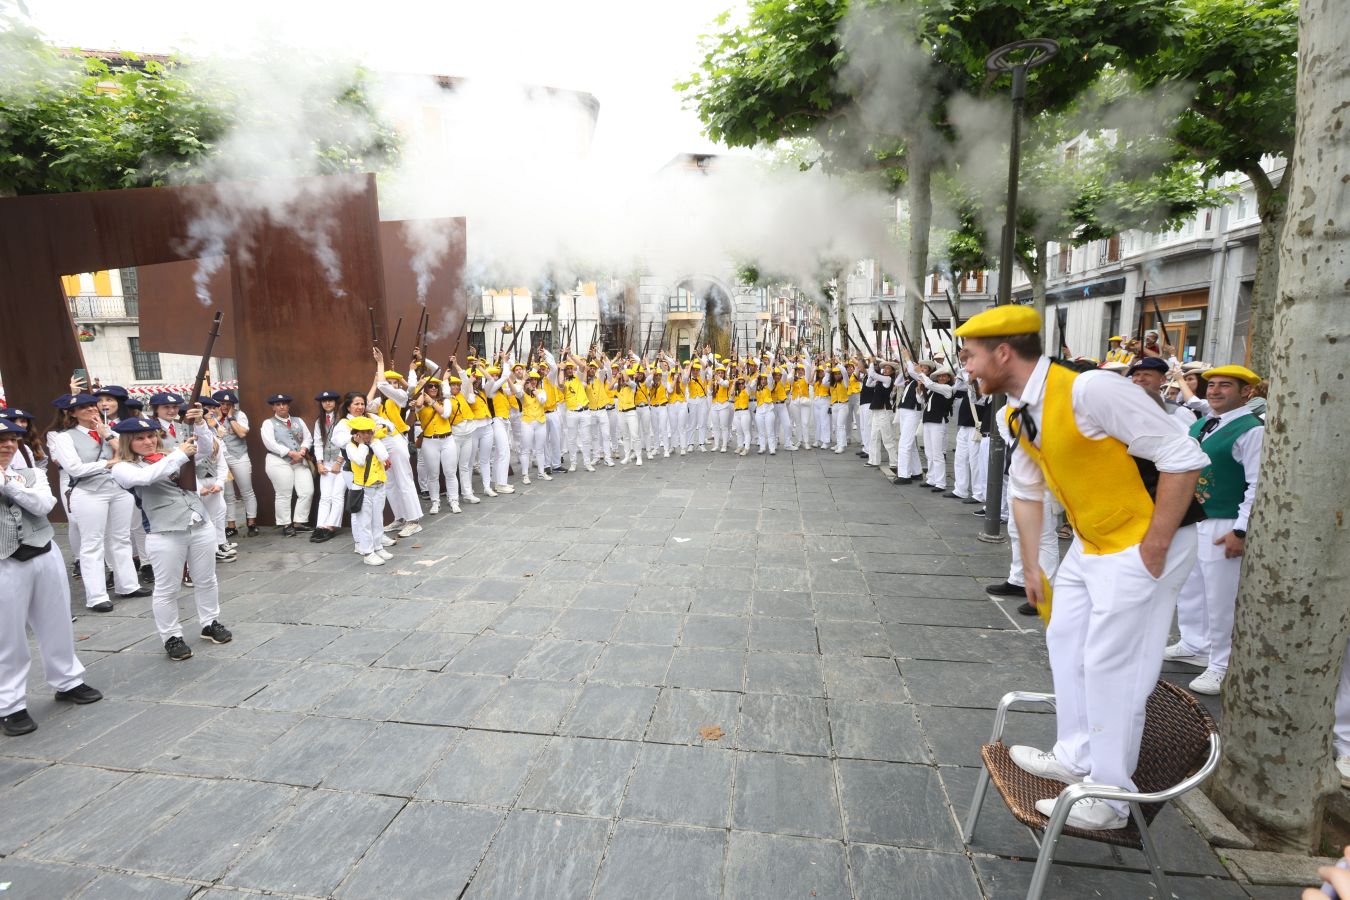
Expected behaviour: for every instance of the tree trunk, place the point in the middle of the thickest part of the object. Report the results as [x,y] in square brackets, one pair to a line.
[920,190]
[1293,612]
[1039,277]
[1272,203]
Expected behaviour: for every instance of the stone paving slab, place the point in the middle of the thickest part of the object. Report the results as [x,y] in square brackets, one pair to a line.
[712,677]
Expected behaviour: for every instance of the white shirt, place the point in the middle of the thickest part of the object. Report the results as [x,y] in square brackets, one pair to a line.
[277,449]
[37,499]
[1247,453]
[1104,405]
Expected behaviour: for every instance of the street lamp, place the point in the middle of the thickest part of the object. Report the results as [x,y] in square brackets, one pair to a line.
[1017,58]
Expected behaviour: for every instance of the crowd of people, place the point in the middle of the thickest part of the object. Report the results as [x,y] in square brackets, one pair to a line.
[411,441]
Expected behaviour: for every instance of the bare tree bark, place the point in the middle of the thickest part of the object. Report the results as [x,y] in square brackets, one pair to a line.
[1271,203]
[1293,610]
[920,195]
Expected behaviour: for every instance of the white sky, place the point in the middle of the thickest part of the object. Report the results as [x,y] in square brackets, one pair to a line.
[627,53]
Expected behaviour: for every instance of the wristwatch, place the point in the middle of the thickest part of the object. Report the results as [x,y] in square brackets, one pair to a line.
[1240,532]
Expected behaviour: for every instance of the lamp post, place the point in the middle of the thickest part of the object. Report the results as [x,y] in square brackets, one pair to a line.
[1018,58]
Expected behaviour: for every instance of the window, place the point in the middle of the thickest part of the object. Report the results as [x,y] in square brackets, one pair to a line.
[682,301]
[1064,263]
[1110,318]
[1110,249]
[762,300]
[145,365]
[477,340]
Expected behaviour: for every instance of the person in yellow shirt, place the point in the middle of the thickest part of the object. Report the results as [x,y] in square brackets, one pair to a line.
[839,407]
[782,421]
[1118,352]
[721,408]
[698,406]
[679,408]
[799,407]
[766,419]
[820,403]
[598,405]
[500,404]
[554,410]
[473,432]
[437,413]
[660,388]
[626,401]
[740,402]
[366,459]
[533,423]
[388,398]
[577,426]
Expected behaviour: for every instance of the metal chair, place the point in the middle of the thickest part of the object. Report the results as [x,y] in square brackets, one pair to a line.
[1179,750]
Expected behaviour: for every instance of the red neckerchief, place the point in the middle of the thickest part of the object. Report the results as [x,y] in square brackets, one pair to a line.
[153,457]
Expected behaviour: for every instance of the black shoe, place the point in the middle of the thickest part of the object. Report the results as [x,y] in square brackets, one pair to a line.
[139,592]
[288,530]
[218,633]
[952,495]
[1026,609]
[253,531]
[1006,589]
[318,536]
[18,723]
[970,500]
[979,512]
[862,453]
[936,490]
[147,574]
[74,573]
[105,606]
[231,532]
[904,481]
[108,580]
[425,495]
[301,526]
[177,649]
[81,694]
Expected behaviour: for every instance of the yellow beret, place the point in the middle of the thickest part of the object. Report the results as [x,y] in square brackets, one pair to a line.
[454,380]
[494,370]
[1115,337]
[361,423]
[392,374]
[433,380]
[1002,321]
[1241,373]
[630,372]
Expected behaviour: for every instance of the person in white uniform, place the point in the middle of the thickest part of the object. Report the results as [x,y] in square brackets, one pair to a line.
[288,443]
[84,447]
[937,405]
[177,531]
[241,466]
[366,458]
[388,399]
[212,474]
[34,592]
[909,420]
[1134,545]
[328,462]
[1232,438]
[966,468]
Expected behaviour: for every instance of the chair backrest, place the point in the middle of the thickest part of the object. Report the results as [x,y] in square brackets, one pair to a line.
[1175,743]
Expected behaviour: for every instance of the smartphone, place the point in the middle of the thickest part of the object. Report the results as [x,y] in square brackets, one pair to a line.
[80,375]
[1326,886]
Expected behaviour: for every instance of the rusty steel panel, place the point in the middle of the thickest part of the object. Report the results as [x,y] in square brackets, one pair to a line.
[294,330]
[445,301]
[173,319]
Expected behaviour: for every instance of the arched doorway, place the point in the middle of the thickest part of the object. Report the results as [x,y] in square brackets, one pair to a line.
[701,313]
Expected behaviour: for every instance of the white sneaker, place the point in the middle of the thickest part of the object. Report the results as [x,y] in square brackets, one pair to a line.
[387,541]
[1043,763]
[410,529]
[435,507]
[702,448]
[545,476]
[454,506]
[373,559]
[489,491]
[1179,654]
[624,461]
[590,468]
[667,455]
[724,449]
[639,460]
[397,523]
[1208,682]
[525,480]
[1343,767]
[682,451]
[573,466]
[1090,814]
[609,462]
[773,452]
[470,498]
[759,452]
[505,489]
[384,554]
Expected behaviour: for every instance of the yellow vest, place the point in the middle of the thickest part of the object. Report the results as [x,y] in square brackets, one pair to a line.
[764,396]
[552,396]
[575,390]
[598,394]
[780,390]
[362,478]
[742,400]
[839,392]
[799,389]
[389,409]
[661,398]
[531,410]
[697,388]
[721,394]
[432,424]
[501,403]
[1076,468]
[677,395]
[854,385]
[821,389]
[479,409]
[627,398]
[642,395]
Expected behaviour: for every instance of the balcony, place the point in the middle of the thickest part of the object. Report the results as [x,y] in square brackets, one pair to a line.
[104,309]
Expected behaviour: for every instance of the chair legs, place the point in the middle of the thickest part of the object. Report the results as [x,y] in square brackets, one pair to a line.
[1150,852]
[977,804]
[1044,860]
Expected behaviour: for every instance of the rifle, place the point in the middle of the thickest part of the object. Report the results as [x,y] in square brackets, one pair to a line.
[902,334]
[516,336]
[1060,315]
[187,475]
[393,345]
[1143,295]
[871,351]
[955,321]
[1162,329]
[374,332]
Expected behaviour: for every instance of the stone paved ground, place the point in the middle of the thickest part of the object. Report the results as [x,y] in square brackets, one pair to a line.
[520,708]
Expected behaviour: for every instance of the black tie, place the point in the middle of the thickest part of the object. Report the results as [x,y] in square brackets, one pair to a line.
[1210,424]
[1022,421]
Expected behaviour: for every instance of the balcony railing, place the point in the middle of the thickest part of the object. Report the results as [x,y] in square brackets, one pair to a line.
[94,309]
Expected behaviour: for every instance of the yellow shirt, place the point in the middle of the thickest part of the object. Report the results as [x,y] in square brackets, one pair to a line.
[720,394]
[742,400]
[433,425]
[854,385]
[780,390]
[574,389]
[627,398]
[800,389]
[821,389]
[839,392]
[531,410]
[389,410]
[599,394]
[764,395]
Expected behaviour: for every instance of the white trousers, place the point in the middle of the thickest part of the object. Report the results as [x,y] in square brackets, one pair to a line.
[721,425]
[103,517]
[632,435]
[967,465]
[645,429]
[935,451]
[442,458]
[1208,599]
[799,410]
[501,449]
[766,427]
[578,425]
[168,551]
[821,407]
[553,448]
[290,480]
[1049,546]
[36,595]
[741,425]
[400,490]
[332,486]
[533,440]
[242,470]
[428,479]
[783,423]
[864,424]
[138,534]
[910,421]
[698,420]
[368,522]
[839,419]
[854,410]
[883,436]
[980,483]
[661,424]
[679,424]
[214,504]
[1106,637]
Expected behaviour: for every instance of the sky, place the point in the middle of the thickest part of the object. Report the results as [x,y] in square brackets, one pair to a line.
[628,53]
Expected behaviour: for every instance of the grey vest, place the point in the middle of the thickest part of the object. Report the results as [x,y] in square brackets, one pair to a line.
[165,506]
[89,451]
[18,525]
[289,438]
[205,461]
[172,438]
[235,446]
[329,452]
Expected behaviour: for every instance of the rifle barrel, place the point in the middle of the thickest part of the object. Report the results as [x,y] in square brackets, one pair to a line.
[204,365]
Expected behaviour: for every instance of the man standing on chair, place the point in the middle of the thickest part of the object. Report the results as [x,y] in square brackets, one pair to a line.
[1133,545]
